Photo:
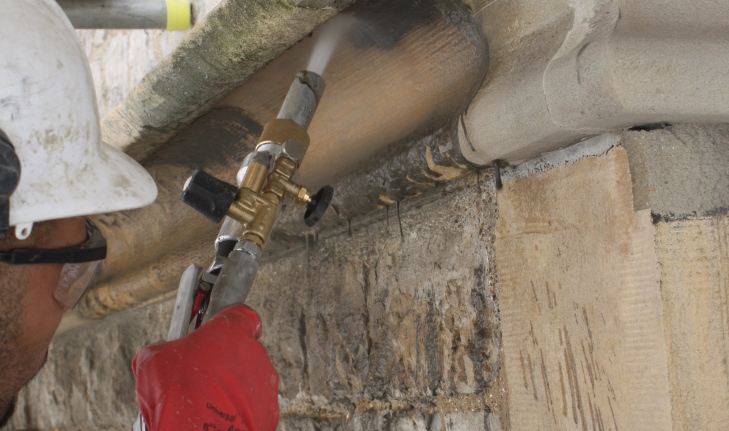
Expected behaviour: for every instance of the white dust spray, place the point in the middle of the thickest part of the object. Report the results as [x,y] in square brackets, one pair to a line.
[327,41]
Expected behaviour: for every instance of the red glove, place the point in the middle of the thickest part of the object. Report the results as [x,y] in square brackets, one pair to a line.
[218,378]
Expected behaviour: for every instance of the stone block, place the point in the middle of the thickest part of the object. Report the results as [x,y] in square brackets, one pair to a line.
[694,269]
[681,170]
[401,308]
[626,324]
[580,298]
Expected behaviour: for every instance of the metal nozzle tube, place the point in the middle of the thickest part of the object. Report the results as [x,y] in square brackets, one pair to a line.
[235,279]
[238,273]
[302,99]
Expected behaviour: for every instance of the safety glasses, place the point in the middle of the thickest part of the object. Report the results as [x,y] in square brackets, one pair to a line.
[81,264]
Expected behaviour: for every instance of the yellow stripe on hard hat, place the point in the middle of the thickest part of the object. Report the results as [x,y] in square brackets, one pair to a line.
[179,14]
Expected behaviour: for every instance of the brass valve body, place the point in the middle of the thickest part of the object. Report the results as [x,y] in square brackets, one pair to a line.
[261,192]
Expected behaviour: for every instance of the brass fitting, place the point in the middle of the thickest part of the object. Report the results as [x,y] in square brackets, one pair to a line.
[279,131]
[263,186]
[256,214]
[303,197]
[255,177]
[283,170]
[261,192]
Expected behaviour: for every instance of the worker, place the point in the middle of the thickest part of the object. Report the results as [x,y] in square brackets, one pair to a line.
[54,172]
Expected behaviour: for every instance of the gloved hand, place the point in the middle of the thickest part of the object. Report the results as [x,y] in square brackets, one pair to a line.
[218,378]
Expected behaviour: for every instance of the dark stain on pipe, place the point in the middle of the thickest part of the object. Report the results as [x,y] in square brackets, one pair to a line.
[218,140]
[151,246]
[383,23]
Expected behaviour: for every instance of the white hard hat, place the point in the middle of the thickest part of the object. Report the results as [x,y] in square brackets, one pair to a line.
[48,112]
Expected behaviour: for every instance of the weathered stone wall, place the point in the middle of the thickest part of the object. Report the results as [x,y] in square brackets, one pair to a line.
[391,324]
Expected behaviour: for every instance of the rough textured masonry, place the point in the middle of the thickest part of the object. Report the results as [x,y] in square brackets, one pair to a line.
[391,326]
[680,171]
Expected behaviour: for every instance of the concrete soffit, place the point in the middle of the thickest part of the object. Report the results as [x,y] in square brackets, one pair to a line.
[234,41]
[564,70]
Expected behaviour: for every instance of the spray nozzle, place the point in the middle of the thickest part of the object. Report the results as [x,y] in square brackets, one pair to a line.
[269,174]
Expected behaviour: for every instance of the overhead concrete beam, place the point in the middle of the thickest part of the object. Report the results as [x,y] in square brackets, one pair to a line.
[235,40]
[562,71]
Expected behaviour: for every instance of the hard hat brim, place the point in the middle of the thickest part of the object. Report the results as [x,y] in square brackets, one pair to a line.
[120,183]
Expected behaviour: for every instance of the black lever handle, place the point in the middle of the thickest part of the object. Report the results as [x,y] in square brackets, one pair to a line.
[318,206]
[208,195]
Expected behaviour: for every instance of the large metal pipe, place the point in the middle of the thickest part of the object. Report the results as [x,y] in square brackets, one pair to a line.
[128,14]
[430,73]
